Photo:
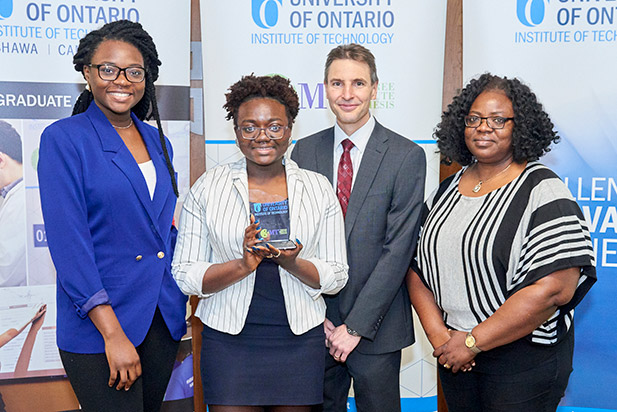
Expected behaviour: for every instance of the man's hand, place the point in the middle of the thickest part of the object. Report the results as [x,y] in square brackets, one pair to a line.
[341,343]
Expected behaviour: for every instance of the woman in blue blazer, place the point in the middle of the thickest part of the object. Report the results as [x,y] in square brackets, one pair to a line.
[108,194]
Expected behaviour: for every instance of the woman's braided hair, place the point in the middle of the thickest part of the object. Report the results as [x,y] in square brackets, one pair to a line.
[133,34]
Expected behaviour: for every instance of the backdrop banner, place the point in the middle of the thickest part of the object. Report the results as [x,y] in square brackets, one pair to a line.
[292,38]
[39,85]
[565,51]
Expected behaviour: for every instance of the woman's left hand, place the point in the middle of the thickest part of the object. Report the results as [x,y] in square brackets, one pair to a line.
[285,257]
[288,259]
[454,353]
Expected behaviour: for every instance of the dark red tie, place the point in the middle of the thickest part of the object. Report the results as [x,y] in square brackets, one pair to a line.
[345,174]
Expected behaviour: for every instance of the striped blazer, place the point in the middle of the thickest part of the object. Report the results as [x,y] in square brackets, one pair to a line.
[211,230]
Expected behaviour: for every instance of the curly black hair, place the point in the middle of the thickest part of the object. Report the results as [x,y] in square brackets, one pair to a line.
[272,87]
[134,34]
[533,130]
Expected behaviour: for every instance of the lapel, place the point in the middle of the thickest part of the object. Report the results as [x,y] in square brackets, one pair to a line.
[240,182]
[163,184]
[324,155]
[371,160]
[295,192]
[123,159]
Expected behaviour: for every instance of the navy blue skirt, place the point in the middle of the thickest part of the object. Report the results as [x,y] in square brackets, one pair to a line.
[266,364]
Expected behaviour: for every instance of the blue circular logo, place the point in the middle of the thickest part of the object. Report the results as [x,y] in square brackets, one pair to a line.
[530,12]
[266,12]
[6,9]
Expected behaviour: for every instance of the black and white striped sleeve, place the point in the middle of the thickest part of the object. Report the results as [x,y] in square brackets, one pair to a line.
[556,238]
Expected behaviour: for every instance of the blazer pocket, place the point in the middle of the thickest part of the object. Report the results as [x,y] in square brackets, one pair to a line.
[113,280]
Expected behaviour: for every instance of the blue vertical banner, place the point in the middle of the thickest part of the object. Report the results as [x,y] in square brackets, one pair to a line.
[38,85]
[292,38]
[566,52]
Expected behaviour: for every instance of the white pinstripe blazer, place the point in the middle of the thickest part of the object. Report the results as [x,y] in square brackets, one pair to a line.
[211,230]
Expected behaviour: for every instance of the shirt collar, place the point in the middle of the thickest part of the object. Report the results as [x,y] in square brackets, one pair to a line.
[6,189]
[359,138]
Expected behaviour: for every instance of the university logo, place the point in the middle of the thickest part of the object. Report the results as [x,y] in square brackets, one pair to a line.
[6,9]
[265,12]
[257,207]
[531,12]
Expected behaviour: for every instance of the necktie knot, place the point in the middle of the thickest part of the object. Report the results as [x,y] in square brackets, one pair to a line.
[347,145]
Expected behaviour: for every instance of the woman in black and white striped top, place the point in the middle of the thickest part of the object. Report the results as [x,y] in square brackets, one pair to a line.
[504,256]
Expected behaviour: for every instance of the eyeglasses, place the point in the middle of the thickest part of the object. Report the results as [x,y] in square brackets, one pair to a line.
[110,72]
[494,122]
[273,132]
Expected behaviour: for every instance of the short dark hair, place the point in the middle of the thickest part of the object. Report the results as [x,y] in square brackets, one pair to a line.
[272,87]
[533,131]
[135,35]
[10,142]
[355,52]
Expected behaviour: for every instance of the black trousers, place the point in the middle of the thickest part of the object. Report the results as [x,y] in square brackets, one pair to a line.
[514,378]
[89,375]
[376,380]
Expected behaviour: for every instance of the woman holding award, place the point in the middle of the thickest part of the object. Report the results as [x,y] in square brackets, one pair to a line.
[261,305]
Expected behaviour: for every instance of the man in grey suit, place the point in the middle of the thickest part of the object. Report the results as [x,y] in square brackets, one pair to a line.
[379,177]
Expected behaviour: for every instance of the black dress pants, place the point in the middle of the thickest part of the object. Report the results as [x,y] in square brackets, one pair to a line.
[89,375]
[376,380]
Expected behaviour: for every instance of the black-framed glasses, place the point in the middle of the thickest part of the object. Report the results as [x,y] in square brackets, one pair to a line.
[110,72]
[494,122]
[273,132]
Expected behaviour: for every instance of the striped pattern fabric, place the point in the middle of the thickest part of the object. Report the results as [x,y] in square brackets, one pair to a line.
[345,176]
[512,237]
[211,230]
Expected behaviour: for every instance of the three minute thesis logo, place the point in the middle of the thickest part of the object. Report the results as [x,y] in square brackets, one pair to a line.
[6,9]
[265,12]
[531,12]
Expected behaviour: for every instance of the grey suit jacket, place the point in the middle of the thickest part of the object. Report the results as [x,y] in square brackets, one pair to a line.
[381,229]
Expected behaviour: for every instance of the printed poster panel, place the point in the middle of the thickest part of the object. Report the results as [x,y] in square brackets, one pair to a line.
[292,38]
[565,51]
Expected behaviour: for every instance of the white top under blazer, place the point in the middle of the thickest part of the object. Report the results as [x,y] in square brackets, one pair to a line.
[211,230]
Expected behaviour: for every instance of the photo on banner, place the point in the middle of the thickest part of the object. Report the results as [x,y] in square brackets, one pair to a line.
[565,51]
[292,39]
[39,86]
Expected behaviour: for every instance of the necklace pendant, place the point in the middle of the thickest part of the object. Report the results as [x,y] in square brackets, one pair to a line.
[477,187]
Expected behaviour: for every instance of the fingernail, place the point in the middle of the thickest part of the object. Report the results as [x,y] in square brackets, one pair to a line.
[254,248]
[256,222]
[298,242]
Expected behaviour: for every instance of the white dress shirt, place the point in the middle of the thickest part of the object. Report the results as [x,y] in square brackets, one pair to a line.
[359,139]
[211,230]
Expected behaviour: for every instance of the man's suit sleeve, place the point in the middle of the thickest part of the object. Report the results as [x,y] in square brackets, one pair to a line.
[374,301]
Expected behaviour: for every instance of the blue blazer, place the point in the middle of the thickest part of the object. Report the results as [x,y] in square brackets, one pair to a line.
[110,243]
